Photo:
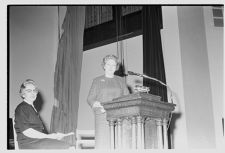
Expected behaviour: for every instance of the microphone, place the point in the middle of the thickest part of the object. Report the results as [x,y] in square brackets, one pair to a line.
[162,83]
[145,76]
[151,78]
[133,73]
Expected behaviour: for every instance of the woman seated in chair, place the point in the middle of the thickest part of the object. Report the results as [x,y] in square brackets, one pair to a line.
[28,125]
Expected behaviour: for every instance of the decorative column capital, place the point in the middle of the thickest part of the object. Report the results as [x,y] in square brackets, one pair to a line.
[139,119]
[164,121]
[119,121]
[133,120]
[111,122]
[158,122]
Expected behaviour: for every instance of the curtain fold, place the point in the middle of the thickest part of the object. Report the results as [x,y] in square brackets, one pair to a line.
[153,64]
[68,73]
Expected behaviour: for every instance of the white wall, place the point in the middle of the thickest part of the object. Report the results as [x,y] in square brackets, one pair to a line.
[174,76]
[196,77]
[91,68]
[193,58]
[215,48]
[32,54]
[133,49]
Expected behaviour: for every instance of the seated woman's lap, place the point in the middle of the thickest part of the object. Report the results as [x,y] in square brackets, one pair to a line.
[46,144]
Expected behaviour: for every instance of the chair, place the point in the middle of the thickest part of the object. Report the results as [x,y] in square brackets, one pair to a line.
[15,135]
[85,139]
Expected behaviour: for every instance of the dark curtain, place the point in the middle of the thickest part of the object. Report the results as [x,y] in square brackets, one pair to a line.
[153,64]
[68,73]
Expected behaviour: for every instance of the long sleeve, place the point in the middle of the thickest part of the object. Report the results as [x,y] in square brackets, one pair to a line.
[124,86]
[92,94]
[105,89]
[125,90]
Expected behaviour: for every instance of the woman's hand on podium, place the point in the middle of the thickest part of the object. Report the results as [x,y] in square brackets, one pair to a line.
[97,104]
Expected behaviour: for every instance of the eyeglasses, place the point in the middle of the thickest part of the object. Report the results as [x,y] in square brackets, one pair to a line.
[29,90]
[111,65]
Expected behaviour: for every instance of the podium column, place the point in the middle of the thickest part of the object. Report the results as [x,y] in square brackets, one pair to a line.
[139,132]
[119,133]
[112,133]
[159,133]
[143,133]
[166,146]
[134,133]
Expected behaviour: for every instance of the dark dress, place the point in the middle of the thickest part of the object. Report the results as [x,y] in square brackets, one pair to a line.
[26,117]
[104,89]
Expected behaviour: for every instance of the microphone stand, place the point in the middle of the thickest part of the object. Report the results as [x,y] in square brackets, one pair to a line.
[171,93]
[162,83]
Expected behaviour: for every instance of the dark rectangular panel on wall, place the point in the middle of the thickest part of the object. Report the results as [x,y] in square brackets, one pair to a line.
[119,28]
[217,12]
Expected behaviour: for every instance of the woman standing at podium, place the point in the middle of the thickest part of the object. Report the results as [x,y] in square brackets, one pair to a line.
[105,88]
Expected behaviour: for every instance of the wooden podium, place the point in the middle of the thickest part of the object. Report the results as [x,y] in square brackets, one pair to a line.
[138,121]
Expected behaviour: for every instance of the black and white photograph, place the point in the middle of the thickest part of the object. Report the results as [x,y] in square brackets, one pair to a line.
[113,77]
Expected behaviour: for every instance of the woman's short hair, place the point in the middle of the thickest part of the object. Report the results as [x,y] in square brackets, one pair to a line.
[112,57]
[23,85]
